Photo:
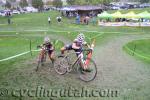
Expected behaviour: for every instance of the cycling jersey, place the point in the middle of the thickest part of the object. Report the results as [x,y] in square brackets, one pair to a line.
[49,47]
[79,44]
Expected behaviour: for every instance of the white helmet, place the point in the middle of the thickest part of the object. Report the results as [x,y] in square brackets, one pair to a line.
[46,39]
[81,37]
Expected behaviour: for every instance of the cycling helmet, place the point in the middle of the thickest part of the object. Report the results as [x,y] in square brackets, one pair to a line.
[46,39]
[81,37]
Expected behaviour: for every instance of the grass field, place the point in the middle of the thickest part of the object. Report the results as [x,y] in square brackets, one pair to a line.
[119,70]
[140,48]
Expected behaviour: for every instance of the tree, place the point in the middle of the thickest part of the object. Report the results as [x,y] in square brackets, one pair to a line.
[8,4]
[37,4]
[57,3]
[144,1]
[12,1]
[87,2]
[106,1]
[71,2]
[23,3]
[49,3]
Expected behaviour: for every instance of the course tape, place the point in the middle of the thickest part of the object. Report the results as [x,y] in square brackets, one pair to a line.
[35,50]
[60,31]
[17,55]
[137,54]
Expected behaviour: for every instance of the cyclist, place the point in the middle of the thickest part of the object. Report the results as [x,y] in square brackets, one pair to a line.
[77,46]
[47,47]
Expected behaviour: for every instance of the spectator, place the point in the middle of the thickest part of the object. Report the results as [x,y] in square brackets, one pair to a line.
[58,19]
[49,20]
[94,20]
[9,21]
[77,19]
[87,20]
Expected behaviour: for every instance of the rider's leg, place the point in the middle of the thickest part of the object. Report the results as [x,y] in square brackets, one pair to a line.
[52,56]
[41,55]
[82,61]
[62,50]
[67,47]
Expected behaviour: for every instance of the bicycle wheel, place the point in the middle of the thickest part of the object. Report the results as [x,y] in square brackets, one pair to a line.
[60,65]
[88,75]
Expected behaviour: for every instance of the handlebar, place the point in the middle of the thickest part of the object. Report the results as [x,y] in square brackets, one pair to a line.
[43,47]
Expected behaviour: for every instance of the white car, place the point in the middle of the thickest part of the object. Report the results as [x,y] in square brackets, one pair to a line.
[2,13]
[31,9]
[15,12]
[22,11]
[116,8]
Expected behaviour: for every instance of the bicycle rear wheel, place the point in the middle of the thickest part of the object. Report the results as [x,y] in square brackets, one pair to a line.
[60,65]
[90,74]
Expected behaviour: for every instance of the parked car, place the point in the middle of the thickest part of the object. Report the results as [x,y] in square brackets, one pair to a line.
[31,9]
[22,11]
[2,13]
[15,12]
[144,5]
[115,8]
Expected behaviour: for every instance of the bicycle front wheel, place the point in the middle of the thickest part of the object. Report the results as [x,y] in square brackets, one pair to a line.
[59,65]
[90,73]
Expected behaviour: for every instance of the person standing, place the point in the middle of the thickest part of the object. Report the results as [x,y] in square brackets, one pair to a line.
[8,16]
[94,20]
[9,21]
[49,20]
[58,19]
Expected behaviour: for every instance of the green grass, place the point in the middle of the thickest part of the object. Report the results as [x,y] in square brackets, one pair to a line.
[34,27]
[139,48]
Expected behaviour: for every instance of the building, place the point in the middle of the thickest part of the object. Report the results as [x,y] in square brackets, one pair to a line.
[85,10]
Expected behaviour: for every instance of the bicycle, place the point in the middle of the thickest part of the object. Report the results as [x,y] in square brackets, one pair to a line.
[42,57]
[63,65]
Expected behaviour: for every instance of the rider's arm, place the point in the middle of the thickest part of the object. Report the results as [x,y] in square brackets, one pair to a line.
[52,48]
[74,46]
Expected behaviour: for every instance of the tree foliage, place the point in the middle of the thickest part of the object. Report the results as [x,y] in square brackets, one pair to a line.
[70,2]
[88,2]
[49,3]
[144,1]
[23,3]
[8,4]
[37,4]
[57,3]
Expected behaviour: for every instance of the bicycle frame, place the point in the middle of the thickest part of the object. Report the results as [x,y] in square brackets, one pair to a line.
[79,59]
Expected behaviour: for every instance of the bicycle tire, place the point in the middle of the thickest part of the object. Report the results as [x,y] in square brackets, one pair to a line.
[83,75]
[59,66]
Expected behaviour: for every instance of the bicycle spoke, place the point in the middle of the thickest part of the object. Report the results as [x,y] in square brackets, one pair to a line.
[90,73]
[59,66]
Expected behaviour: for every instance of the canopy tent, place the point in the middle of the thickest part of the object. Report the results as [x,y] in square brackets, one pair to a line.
[130,14]
[144,14]
[117,14]
[104,15]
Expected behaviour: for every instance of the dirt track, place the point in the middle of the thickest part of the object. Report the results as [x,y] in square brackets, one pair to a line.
[116,70]
[121,70]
